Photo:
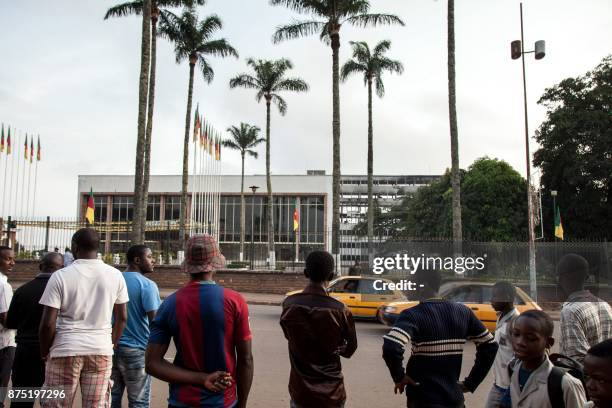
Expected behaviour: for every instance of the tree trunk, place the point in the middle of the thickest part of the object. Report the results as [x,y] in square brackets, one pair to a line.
[143,89]
[370,177]
[185,179]
[242,216]
[452,108]
[335,44]
[149,131]
[270,206]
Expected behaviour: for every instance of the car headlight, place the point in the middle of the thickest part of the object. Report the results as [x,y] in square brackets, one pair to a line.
[390,309]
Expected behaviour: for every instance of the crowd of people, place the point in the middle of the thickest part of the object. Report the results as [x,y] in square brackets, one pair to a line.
[84,323]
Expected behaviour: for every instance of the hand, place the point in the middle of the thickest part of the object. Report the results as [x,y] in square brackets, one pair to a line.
[400,386]
[217,381]
[462,386]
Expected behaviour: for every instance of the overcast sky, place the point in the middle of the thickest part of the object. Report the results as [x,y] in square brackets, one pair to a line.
[72,77]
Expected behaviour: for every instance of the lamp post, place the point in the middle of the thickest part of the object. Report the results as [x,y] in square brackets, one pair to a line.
[518,51]
[253,189]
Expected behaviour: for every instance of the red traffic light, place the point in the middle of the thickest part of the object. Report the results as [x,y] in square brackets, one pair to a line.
[515,49]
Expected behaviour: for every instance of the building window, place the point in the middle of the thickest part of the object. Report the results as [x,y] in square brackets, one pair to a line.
[154,208]
[172,208]
[123,208]
[100,208]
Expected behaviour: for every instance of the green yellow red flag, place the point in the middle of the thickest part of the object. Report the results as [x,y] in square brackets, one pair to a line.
[2,140]
[89,213]
[296,217]
[558,224]
[31,149]
[38,150]
[25,148]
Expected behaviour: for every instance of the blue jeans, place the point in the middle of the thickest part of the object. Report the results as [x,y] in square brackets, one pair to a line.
[496,397]
[129,372]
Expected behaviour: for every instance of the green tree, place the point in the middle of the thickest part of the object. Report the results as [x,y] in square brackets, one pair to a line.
[327,17]
[371,64]
[269,80]
[141,184]
[494,207]
[244,139]
[192,42]
[576,153]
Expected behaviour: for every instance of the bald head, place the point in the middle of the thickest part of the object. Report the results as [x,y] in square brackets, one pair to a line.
[573,271]
[51,262]
[85,243]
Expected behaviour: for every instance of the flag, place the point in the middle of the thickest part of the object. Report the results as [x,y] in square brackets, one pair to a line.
[38,150]
[218,149]
[296,217]
[196,124]
[558,224]
[201,131]
[25,148]
[2,140]
[211,145]
[31,149]
[89,213]
[8,142]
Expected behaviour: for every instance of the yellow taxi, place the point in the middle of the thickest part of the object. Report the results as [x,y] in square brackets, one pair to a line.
[475,295]
[363,295]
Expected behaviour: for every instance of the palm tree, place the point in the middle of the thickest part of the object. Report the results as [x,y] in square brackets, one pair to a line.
[371,65]
[328,16]
[244,139]
[192,42]
[454,135]
[130,8]
[268,81]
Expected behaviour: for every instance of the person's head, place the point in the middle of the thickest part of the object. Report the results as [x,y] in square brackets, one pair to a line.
[572,271]
[319,267]
[140,259]
[51,262]
[598,372]
[7,259]
[202,257]
[85,244]
[531,335]
[502,296]
[428,282]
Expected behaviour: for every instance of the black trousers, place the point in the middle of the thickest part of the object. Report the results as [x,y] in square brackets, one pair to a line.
[28,370]
[6,363]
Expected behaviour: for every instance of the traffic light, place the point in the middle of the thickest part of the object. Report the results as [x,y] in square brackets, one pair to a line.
[515,49]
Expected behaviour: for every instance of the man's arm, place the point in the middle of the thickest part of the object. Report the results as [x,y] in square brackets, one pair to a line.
[158,367]
[486,349]
[244,371]
[120,320]
[46,330]
[349,336]
[4,304]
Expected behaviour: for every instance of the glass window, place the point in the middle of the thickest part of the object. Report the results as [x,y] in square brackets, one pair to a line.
[153,208]
[100,208]
[172,208]
[465,294]
[345,286]
[123,208]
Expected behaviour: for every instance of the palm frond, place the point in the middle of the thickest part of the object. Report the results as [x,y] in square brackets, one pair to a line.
[303,6]
[244,81]
[361,52]
[353,7]
[352,67]
[125,9]
[297,29]
[292,85]
[218,48]
[178,3]
[380,87]
[389,65]
[207,72]
[252,153]
[373,20]
[209,26]
[280,103]
[381,48]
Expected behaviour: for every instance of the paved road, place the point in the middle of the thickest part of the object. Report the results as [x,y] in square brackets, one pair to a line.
[367,379]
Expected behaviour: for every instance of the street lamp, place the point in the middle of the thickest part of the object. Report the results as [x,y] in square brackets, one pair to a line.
[253,189]
[518,51]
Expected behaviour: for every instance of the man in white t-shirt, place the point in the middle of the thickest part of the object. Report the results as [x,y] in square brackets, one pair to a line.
[7,336]
[76,333]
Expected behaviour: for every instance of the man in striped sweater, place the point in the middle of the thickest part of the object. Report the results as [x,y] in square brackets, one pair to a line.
[433,334]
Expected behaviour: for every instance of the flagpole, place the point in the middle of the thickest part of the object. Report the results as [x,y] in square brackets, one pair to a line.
[35,180]
[21,212]
[10,206]
[191,218]
[28,200]
[218,207]
[201,187]
[4,185]
[18,146]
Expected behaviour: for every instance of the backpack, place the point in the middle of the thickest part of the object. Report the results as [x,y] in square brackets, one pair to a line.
[562,365]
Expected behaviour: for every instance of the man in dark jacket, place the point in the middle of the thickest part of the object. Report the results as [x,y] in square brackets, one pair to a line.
[433,333]
[24,314]
[319,329]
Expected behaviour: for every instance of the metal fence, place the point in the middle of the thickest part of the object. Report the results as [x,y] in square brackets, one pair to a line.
[505,260]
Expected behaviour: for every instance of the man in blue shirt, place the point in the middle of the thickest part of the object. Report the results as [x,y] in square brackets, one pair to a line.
[129,359]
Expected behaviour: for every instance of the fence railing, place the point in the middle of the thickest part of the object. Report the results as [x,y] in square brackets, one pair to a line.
[509,260]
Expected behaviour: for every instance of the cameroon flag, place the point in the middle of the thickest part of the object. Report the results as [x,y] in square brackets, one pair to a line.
[2,142]
[558,224]
[89,213]
[296,217]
